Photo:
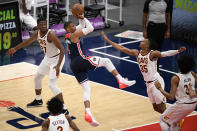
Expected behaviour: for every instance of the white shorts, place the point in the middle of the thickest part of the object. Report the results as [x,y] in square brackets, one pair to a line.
[177,112]
[47,64]
[28,20]
[154,94]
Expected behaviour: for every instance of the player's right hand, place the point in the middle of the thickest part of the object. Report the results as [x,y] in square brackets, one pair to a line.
[79,16]
[11,51]
[181,49]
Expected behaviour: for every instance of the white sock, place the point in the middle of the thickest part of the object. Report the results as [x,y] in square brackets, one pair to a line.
[38,97]
[118,77]
[88,110]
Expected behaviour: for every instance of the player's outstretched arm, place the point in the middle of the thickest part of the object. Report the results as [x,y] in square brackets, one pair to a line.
[11,51]
[83,31]
[71,123]
[128,51]
[174,85]
[167,53]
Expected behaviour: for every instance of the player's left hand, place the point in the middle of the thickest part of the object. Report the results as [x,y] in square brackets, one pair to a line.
[167,34]
[57,68]
[157,85]
[181,49]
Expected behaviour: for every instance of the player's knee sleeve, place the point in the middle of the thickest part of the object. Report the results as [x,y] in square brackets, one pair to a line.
[106,62]
[164,125]
[86,90]
[38,81]
[53,87]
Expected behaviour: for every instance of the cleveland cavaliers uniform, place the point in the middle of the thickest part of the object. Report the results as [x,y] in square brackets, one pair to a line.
[58,123]
[148,69]
[51,56]
[184,103]
[80,63]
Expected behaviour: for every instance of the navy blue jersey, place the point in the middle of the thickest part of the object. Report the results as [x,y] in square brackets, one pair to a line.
[74,49]
[80,64]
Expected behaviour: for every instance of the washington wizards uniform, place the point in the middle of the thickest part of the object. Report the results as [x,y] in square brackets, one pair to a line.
[80,64]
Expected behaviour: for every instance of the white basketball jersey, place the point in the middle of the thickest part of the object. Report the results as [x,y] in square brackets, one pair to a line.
[182,94]
[49,48]
[58,123]
[147,67]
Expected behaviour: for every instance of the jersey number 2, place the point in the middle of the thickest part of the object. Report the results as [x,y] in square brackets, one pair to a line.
[59,128]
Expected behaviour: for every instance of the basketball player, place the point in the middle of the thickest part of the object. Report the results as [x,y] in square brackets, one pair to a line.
[147,61]
[52,62]
[180,84]
[80,64]
[57,121]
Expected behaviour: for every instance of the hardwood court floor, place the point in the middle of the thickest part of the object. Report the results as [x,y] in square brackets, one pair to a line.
[113,108]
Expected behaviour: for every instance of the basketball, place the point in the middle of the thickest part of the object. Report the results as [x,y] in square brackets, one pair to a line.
[77,9]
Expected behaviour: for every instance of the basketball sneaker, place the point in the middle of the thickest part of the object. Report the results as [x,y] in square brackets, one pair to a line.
[90,119]
[35,103]
[124,83]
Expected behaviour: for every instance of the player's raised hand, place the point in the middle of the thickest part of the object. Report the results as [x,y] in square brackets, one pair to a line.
[181,49]
[78,11]
[11,51]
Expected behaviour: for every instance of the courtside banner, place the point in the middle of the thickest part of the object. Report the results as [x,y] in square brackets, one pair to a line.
[97,22]
[184,21]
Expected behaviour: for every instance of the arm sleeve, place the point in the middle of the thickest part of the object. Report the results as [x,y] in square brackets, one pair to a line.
[81,24]
[88,27]
[169,53]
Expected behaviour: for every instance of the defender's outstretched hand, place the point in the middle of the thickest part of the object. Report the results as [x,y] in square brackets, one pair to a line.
[11,51]
[182,49]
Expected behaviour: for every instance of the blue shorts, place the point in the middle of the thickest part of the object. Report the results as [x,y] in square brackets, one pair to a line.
[80,67]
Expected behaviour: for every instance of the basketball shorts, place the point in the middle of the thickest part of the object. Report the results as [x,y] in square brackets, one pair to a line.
[80,67]
[176,112]
[47,66]
[154,94]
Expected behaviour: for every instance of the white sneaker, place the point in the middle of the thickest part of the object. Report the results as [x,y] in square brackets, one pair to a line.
[123,83]
[90,119]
